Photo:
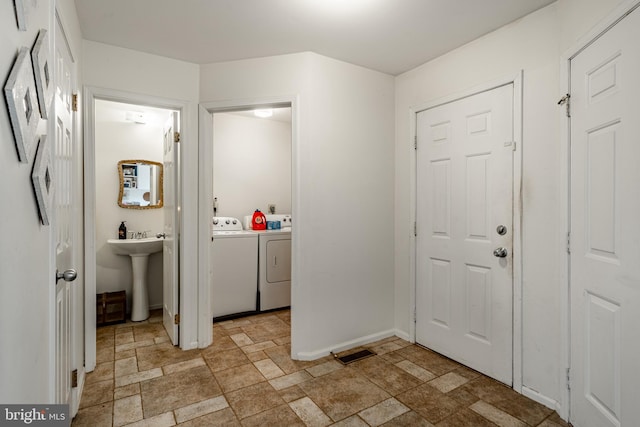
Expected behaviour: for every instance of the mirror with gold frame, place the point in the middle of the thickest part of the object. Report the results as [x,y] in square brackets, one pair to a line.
[140,184]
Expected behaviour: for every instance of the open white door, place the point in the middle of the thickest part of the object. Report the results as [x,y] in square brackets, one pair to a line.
[170,257]
[605,229]
[66,162]
[464,255]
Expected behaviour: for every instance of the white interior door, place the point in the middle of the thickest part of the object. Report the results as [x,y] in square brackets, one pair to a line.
[464,193]
[66,187]
[171,229]
[605,229]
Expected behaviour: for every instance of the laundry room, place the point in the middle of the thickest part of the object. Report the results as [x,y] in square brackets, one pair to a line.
[251,172]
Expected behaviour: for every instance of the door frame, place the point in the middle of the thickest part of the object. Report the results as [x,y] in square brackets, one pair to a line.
[205,177]
[515,79]
[90,95]
[565,175]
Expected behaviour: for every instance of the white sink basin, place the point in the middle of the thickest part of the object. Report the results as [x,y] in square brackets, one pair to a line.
[147,246]
[139,251]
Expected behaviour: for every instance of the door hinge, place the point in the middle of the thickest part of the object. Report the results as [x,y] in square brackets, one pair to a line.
[415,142]
[415,315]
[566,101]
[176,137]
[74,102]
[74,378]
[569,242]
[568,378]
[176,319]
[415,228]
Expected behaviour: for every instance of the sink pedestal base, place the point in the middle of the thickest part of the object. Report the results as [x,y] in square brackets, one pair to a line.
[139,251]
[140,297]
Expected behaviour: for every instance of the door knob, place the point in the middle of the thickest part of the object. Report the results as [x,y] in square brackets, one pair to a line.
[68,275]
[500,252]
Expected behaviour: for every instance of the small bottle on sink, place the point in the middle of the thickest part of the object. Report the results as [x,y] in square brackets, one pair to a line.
[122,231]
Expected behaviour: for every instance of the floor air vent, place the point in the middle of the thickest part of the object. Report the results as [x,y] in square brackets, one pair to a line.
[359,355]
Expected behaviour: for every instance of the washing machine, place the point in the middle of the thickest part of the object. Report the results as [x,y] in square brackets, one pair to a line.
[234,265]
[274,264]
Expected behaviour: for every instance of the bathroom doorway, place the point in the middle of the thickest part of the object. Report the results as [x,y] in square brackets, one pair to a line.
[121,128]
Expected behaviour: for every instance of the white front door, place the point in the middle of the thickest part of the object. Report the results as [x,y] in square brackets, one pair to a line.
[65,161]
[171,229]
[605,229]
[464,214]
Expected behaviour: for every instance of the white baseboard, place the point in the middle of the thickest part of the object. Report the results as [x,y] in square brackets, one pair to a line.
[403,335]
[540,398]
[343,346]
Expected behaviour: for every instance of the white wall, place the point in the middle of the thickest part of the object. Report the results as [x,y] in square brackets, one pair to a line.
[533,44]
[251,164]
[343,170]
[142,74]
[26,264]
[119,140]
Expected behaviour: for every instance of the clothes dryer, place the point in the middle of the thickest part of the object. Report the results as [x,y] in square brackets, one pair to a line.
[274,263]
[274,269]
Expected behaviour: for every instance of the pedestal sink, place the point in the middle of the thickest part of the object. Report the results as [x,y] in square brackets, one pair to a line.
[139,251]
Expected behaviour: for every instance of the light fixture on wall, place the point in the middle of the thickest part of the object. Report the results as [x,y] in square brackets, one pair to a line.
[263,113]
[136,117]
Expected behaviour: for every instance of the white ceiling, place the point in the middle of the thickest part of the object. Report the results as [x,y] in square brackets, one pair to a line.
[279,114]
[111,111]
[392,36]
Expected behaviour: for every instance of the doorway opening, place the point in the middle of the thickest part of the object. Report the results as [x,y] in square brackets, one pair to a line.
[251,175]
[127,172]
[133,134]
[237,183]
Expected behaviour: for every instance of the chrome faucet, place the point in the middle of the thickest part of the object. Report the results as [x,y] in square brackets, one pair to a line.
[139,234]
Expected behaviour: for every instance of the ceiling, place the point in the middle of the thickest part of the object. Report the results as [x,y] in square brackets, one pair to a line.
[392,36]
[111,111]
[279,114]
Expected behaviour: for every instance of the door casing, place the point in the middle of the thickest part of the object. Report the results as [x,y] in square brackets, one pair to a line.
[90,95]
[205,167]
[516,80]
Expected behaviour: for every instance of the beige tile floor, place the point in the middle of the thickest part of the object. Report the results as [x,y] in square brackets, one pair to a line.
[246,378]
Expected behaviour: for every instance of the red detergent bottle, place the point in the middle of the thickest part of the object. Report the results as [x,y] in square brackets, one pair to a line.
[258,222]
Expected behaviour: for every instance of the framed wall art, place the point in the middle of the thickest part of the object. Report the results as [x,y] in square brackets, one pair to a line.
[41,69]
[20,93]
[42,180]
[21,14]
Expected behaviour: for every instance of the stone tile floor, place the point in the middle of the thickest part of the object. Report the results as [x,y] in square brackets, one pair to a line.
[246,378]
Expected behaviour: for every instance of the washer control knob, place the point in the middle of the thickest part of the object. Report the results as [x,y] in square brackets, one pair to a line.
[227,222]
[215,221]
